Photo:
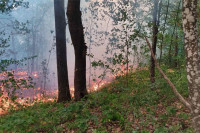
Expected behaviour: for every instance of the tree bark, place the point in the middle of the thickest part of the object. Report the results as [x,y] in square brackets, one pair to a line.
[154,40]
[80,48]
[60,24]
[192,58]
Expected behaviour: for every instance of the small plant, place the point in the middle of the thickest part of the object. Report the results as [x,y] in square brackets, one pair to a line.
[112,116]
[171,110]
[11,90]
[137,109]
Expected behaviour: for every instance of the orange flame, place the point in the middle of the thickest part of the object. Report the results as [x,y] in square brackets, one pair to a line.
[36,93]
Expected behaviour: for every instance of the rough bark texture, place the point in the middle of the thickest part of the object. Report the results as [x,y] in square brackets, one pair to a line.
[154,40]
[192,58]
[60,24]
[80,48]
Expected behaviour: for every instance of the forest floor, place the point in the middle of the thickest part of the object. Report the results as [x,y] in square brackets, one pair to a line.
[140,108]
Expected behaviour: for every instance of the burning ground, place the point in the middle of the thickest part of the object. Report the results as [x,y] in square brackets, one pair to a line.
[19,89]
[140,107]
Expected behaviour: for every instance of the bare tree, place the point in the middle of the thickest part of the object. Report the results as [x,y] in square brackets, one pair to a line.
[162,38]
[80,48]
[156,15]
[174,34]
[60,24]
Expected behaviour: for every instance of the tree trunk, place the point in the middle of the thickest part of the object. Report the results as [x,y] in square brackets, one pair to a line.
[90,47]
[14,50]
[80,48]
[192,58]
[172,36]
[176,51]
[33,50]
[162,40]
[170,46]
[154,40]
[60,24]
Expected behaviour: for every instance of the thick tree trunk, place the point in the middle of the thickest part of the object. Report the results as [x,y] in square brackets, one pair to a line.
[60,23]
[154,40]
[192,58]
[80,48]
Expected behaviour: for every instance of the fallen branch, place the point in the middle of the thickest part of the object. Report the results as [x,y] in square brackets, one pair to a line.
[179,96]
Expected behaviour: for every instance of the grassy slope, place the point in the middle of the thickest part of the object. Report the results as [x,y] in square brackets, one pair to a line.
[142,107]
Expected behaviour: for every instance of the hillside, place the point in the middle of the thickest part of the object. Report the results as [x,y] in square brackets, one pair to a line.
[142,107]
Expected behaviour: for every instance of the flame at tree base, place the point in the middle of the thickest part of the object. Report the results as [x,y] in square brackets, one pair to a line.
[32,96]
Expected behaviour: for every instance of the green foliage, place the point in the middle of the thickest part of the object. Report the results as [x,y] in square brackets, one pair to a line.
[11,89]
[112,116]
[183,115]
[7,6]
[171,110]
[114,108]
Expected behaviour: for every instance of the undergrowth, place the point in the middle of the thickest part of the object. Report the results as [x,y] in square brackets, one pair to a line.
[141,107]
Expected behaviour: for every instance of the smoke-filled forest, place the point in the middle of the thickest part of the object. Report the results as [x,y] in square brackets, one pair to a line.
[99,66]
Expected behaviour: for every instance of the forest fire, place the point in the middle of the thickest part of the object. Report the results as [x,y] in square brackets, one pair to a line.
[98,85]
[27,95]
[16,88]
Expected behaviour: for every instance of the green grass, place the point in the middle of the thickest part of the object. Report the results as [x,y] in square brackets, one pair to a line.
[141,107]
